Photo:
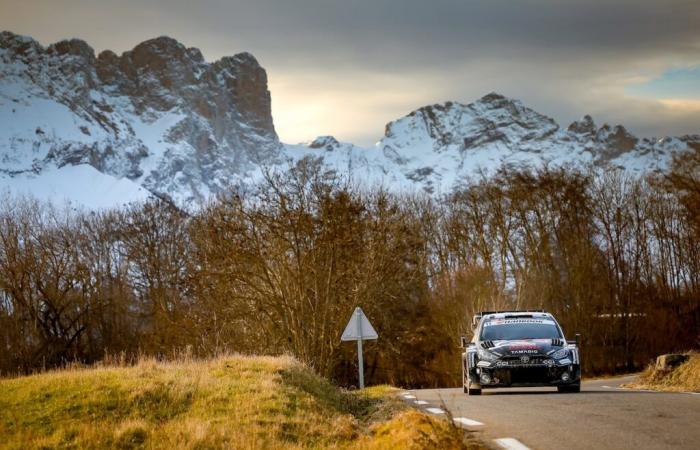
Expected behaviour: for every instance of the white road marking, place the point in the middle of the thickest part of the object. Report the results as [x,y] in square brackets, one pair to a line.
[511,444]
[420,402]
[467,422]
[435,410]
[636,390]
[628,389]
[409,396]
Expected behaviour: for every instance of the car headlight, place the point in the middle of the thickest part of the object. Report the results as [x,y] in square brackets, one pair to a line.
[486,355]
[560,354]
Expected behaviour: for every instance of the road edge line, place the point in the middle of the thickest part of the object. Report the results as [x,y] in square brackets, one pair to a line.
[511,444]
[467,422]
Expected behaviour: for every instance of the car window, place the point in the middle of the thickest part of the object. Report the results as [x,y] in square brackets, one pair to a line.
[511,329]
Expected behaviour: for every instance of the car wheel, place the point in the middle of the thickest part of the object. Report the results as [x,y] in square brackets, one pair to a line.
[573,388]
[473,391]
[465,379]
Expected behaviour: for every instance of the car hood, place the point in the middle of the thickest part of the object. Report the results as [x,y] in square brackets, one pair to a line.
[522,347]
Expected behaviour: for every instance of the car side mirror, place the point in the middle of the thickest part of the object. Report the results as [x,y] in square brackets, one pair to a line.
[475,321]
[465,342]
[576,341]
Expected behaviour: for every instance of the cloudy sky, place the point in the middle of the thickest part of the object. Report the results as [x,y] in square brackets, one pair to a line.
[347,67]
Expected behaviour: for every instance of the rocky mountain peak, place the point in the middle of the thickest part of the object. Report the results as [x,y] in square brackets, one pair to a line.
[155,73]
[162,56]
[158,114]
[615,141]
[496,100]
[73,47]
[584,127]
[19,46]
[328,143]
[159,46]
[493,118]
[246,81]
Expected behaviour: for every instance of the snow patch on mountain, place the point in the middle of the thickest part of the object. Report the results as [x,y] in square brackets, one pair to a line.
[81,186]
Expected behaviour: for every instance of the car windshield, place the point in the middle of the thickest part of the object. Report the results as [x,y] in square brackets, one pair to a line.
[512,329]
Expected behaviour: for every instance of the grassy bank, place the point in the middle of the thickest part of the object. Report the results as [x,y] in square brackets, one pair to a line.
[684,378]
[230,402]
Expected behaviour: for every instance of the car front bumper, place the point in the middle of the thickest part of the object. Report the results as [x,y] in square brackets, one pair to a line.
[495,376]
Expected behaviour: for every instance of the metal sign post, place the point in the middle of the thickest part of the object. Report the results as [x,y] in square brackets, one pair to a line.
[359,329]
[360,362]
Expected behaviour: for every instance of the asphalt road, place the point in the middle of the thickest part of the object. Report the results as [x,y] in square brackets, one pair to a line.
[601,416]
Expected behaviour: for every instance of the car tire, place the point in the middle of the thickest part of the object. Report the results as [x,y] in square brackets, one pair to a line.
[572,388]
[473,391]
[465,378]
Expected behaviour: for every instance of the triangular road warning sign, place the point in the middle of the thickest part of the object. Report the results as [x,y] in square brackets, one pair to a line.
[359,328]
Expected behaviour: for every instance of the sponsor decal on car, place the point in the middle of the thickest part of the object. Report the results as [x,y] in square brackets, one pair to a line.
[524,351]
[495,322]
[525,346]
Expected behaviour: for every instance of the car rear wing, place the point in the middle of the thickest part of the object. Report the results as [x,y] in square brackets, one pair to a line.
[477,317]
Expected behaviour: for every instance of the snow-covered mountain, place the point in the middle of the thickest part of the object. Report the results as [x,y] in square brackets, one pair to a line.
[439,147]
[158,117]
[159,120]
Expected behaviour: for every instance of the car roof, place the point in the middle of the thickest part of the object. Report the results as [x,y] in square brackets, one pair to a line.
[503,315]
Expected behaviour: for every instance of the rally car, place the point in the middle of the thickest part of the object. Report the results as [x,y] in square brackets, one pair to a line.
[519,349]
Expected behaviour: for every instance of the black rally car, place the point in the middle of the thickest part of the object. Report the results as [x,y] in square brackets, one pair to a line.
[517,349]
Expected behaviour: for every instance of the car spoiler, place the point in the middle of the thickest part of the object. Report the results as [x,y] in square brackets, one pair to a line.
[477,317]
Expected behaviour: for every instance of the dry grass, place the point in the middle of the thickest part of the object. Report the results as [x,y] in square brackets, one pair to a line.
[229,402]
[684,378]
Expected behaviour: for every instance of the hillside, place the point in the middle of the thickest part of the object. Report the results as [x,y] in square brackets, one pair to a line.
[229,402]
[159,120]
[684,378]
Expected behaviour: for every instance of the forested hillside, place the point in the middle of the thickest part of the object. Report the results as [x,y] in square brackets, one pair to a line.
[617,259]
